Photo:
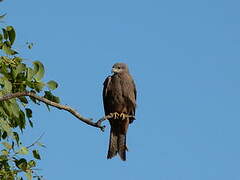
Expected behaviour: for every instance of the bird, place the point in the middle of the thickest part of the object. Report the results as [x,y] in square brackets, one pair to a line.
[119,100]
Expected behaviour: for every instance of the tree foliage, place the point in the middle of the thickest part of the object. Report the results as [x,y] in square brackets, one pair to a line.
[19,161]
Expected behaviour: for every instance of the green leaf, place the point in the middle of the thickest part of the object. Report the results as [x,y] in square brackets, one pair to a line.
[16,137]
[36,154]
[2,112]
[2,16]
[4,69]
[30,74]
[4,135]
[7,145]
[39,70]
[21,164]
[33,99]
[11,108]
[48,107]
[52,84]
[8,50]
[56,99]
[17,60]
[31,123]
[31,164]
[23,150]
[48,95]
[7,43]
[7,129]
[7,84]
[29,45]
[7,108]
[38,86]
[23,100]
[4,152]
[5,33]
[21,120]
[11,34]
[28,112]
[20,68]
[1,38]
[15,108]
[3,158]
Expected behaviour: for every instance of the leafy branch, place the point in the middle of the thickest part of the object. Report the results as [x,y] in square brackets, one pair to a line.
[57,105]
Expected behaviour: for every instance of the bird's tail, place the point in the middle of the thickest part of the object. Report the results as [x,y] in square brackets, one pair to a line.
[122,147]
[113,143]
[117,141]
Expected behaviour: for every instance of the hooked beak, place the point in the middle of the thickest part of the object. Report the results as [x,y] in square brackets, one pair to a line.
[114,70]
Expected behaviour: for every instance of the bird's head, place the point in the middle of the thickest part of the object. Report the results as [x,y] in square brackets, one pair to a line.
[119,68]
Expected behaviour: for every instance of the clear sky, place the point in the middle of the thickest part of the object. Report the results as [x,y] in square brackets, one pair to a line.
[185,58]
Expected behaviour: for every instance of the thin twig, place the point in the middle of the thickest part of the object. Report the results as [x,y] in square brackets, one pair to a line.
[37,141]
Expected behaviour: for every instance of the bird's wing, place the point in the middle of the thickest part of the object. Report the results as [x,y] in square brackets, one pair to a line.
[105,92]
[129,91]
[135,90]
[135,96]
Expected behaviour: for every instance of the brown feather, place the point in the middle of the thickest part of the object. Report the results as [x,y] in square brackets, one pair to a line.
[113,144]
[119,95]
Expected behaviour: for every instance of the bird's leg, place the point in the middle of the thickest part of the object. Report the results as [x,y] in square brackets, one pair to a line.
[114,115]
[123,116]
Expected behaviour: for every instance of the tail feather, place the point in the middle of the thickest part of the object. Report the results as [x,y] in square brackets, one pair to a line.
[122,147]
[113,146]
[117,141]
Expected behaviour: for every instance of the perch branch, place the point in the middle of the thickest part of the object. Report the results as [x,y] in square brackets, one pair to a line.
[59,106]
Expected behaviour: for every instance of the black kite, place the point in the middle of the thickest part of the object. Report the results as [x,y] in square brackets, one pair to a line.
[119,99]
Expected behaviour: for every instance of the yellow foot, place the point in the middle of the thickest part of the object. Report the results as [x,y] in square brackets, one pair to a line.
[123,116]
[114,115]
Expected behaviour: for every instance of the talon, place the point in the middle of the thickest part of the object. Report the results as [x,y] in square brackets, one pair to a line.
[114,115]
[123,116]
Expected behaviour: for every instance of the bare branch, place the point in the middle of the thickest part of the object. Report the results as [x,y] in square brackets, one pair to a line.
[59,106]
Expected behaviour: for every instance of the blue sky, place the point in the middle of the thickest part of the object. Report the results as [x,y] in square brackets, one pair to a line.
[184,56]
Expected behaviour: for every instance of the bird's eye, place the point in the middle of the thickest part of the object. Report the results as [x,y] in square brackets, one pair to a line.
[118,67]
